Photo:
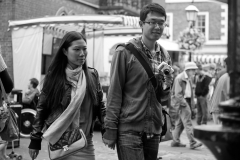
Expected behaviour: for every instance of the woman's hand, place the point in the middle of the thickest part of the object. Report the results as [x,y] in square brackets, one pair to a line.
[33,153]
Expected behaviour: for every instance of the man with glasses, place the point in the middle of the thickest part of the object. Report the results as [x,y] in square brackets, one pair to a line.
[134,116]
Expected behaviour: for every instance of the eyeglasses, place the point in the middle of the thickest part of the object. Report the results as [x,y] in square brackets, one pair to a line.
[155,24]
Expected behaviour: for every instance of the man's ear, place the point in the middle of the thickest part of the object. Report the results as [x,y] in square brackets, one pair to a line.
[140,23]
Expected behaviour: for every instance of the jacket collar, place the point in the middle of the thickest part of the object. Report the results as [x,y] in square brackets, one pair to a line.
[183,76]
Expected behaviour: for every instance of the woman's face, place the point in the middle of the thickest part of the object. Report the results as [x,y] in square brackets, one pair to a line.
[76,53]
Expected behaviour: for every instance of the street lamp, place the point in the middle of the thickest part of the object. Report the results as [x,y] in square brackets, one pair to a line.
[191,12]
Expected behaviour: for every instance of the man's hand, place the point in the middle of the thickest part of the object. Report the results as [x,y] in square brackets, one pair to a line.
[110,143]
[110,138]
[33,153]
[168,79]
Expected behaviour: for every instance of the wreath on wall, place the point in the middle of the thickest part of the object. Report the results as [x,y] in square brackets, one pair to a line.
[191,39]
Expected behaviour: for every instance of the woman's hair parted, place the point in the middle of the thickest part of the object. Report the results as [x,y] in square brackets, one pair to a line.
[55,79]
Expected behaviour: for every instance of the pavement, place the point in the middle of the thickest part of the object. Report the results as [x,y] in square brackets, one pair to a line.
[103,153]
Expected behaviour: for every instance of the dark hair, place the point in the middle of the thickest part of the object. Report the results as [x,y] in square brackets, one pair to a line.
[152,7]
[55,79]
[34,82]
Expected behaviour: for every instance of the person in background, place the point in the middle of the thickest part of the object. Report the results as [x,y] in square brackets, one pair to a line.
[201,91]
[172,110]
[182,89]
[32,91]
[176,71]
[210,70]
[220,94]
[221,72]
[73,86]
[134,116]
[8,86]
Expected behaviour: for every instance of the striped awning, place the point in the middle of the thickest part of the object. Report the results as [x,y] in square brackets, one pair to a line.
[205,59]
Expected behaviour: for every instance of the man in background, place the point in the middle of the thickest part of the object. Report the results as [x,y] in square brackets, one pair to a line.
[201,92]
[181,91]
[32,91]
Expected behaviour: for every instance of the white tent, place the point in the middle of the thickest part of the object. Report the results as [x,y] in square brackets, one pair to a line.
[28,44]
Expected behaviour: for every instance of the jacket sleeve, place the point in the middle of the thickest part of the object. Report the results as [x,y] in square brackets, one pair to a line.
[114,99]
[6,81]
[41,116]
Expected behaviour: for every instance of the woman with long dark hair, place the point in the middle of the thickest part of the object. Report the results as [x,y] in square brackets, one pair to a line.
[67,76]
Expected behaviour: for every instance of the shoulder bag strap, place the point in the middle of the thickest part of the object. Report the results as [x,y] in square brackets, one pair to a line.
[143,62]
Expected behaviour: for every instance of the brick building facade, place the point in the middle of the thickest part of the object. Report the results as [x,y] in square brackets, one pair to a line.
[212,21]
[27,9]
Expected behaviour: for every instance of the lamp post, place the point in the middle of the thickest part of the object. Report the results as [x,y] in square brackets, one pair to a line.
[191,12]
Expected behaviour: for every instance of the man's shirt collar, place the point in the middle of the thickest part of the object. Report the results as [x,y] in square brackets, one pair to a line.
[185,74]
[157,48]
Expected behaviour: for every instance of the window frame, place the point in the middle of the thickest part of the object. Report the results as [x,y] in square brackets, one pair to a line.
[206,14]
[170,25]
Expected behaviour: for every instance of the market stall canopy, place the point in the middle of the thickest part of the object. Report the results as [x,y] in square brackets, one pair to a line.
[58,26]
[91,21]
[28,40]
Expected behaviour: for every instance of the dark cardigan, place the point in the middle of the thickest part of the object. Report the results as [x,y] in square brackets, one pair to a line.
[202,87]
[6,81]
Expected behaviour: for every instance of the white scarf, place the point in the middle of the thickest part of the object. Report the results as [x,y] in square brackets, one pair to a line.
[188,90]
[72,112]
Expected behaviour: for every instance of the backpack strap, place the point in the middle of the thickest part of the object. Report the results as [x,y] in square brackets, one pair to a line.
[143,62]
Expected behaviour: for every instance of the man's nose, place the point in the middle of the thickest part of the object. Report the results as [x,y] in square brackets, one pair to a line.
[158,26]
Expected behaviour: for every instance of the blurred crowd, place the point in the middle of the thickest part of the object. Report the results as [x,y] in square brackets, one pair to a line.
[197,91]
[210,85]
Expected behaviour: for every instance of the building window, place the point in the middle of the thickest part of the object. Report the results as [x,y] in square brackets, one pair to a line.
[169,22]
[202,24]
